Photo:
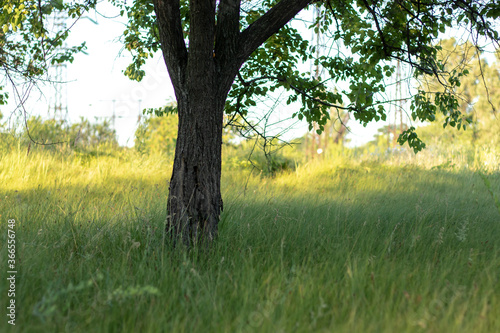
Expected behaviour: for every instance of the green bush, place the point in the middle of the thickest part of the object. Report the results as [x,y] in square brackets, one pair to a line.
[268,160]
[157,134]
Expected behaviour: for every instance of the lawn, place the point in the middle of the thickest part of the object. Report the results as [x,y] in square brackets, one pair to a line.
[341,244]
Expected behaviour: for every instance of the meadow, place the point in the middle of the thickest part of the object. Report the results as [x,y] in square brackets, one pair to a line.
[345,243]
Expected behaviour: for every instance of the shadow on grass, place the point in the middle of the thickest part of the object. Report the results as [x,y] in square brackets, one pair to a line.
[90,256]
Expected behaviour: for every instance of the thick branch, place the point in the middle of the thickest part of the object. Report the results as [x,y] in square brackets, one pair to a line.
[226,40]
[227,30]
[168,18]
[202,30]
[377,24]
[267,25]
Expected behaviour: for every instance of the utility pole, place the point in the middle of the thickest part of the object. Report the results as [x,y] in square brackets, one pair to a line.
[398,113]
[60,106]
[315,143]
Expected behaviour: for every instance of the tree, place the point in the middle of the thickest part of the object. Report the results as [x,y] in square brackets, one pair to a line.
[478,101]
[222,54]
[28,47]
[157,134]
[334,132]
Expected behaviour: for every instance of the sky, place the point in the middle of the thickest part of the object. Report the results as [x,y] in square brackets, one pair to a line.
[96,87]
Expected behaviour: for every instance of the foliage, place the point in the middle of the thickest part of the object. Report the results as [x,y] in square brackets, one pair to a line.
[369,35]
[479,94]
[58,135]
[332,136]
[30,42]
[495,197]
[87,135]
[157,134]
[259,156]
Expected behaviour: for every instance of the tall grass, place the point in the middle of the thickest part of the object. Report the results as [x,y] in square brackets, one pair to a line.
[339,244]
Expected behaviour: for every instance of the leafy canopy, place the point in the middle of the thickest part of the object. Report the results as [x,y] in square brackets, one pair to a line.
[30,42]
[479,94]
[368,35]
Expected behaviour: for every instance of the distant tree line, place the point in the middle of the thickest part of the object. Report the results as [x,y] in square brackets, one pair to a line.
[57,135]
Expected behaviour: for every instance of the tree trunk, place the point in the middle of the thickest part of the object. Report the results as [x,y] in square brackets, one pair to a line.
[195,202]
[202,73]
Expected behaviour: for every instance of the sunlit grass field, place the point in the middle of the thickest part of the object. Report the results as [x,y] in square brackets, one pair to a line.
[340,244]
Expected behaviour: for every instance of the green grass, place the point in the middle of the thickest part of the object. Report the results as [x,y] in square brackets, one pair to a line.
[334,246]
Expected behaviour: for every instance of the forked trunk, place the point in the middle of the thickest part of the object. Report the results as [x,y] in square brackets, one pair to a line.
[202,78]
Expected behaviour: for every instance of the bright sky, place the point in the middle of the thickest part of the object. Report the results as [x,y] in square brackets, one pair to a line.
[97,87]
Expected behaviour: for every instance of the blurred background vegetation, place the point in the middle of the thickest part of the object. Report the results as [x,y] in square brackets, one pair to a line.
[246,149]
[36,133]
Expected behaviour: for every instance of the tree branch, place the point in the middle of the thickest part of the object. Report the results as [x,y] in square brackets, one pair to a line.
[267,25]
[25,113]
[227,32]
[202,30]
[227,29]
[168,18]
[484,82]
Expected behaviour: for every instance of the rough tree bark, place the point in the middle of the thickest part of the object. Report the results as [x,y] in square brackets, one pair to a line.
[202,75]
